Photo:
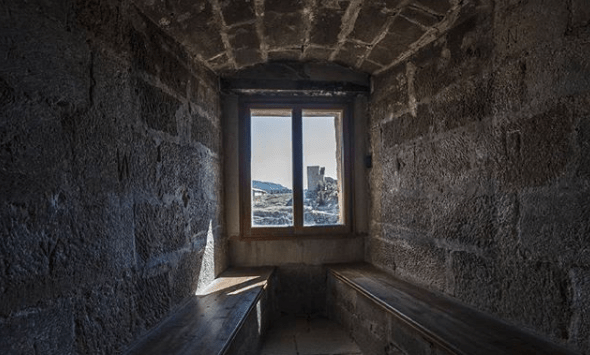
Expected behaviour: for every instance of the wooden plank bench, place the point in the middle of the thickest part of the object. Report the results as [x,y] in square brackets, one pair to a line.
[386,315]
[228,317]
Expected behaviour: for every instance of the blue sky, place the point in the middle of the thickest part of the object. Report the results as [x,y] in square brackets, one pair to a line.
[271,148]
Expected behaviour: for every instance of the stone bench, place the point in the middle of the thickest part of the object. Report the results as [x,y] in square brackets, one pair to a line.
[228,317]
[386,315]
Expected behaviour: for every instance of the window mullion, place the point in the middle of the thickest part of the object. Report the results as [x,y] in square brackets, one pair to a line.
[297,169]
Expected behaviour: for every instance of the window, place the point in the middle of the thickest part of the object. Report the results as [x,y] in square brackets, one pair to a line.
[294,168]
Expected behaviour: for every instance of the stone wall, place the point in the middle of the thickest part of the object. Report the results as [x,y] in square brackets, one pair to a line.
[110,164]
[481,178]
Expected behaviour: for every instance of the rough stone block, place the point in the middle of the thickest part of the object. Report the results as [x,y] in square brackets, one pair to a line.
[523,25]
[302,289]
[243,37]
[409,32]
[461,105]
[158,109]
[546,287]
[237,11]
[350,53]
[159,55]
[283,6]
[185,276]
[405,128]
[580,12]
[47,330]
[159,229]
[510,86]
[583,132]
[475,281]
[34,154]
[388,49]
[191,24]
[103,321]
[152,300]
[138,164]
[45,61]
[400,35]
[107,21]
[284,29]
[555,225]
[468,220]
[326,27]
[369,22]
[545,148]
[419,263]
[370,328]
[203,131]
[391,91]
[406,212]
[580,323]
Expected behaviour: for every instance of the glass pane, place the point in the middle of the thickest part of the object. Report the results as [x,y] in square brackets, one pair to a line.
[272,168]
[322,168]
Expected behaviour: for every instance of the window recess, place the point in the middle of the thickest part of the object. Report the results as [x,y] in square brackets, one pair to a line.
[295,169]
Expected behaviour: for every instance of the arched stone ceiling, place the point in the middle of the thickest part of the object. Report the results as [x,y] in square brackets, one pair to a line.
[366,35]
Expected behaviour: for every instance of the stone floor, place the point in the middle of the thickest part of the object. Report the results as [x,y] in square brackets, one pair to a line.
[292,335]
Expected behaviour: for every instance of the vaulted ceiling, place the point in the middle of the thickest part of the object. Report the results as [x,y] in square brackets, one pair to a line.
[366,35]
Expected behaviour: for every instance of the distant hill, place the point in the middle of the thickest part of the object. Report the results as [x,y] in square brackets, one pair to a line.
[270,187]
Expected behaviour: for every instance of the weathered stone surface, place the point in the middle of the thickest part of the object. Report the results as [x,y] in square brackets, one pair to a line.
[203,131]
[480,144]
[401,34]
[94,112]
[106,304]
[153,52]
[544,147]
[301,289]
[283,6]
[581,306]
[237,11]
[246,45]
[284,29]
[159,230]
[47,330]
[194,24]
[158,109]
[420,263]
[407,127]
[388,49]
[370,21]
[350,53]
[555,225]
[326,27]
[203,27]
[583,132]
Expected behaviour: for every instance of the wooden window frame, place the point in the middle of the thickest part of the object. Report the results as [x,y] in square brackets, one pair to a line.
[298,229]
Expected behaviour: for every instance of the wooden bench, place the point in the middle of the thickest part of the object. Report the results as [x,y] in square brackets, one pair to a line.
[386,315]
[228,317]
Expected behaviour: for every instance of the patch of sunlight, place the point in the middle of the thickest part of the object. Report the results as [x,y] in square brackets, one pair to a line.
[207,270]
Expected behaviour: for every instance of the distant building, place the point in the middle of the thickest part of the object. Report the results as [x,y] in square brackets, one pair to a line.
[315,178]
[257,194]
